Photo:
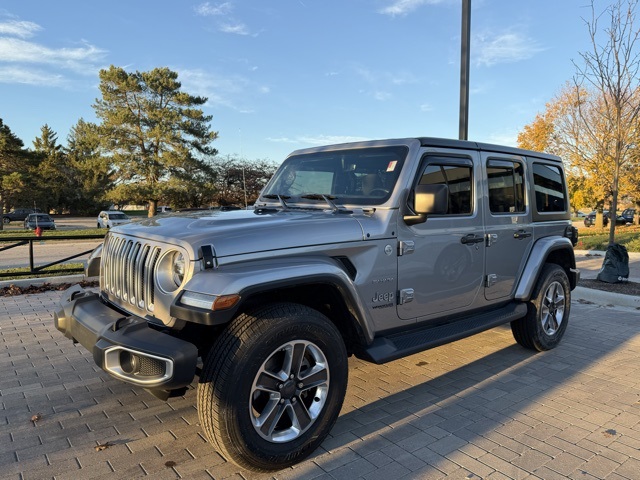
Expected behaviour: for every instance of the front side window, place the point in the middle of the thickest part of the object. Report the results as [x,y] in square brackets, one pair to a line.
[458,180]
[360,176]
[549,188]
[506,186]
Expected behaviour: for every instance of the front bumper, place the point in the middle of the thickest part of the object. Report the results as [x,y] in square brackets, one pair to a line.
[125,346]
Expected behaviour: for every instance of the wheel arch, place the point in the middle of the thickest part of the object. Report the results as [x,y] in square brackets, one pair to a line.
[555,250]
[322,294]
[324,284]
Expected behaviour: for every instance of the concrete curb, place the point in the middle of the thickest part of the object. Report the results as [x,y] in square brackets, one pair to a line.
[606,299]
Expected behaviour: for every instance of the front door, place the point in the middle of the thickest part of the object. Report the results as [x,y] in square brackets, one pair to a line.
[441,261]
[508,223]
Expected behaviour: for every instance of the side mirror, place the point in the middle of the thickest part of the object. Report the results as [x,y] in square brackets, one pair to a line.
[428,200]
[431,199]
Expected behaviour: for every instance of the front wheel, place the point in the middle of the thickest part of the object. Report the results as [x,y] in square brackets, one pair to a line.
[272,386]
[548,310]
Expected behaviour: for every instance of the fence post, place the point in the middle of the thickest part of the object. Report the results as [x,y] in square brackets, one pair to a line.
[31,255]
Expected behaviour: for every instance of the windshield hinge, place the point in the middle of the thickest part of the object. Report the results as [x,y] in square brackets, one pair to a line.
[207,257]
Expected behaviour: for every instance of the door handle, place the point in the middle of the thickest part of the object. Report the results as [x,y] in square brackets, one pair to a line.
[471,239]
[520,234]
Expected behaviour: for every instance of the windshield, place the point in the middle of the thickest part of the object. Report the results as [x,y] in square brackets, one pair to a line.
[40,218]
[117,216]
[362,176]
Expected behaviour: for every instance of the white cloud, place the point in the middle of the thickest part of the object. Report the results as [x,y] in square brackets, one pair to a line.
[206,9]
[28,76]
[403,7]
[425,107]
[403,78]
[27,62]
[19,29]
[490,49]
[80,60]
[233,91]
[237,29]
[381,96]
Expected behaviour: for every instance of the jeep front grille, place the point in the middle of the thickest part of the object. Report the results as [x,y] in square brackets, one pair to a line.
[127,270]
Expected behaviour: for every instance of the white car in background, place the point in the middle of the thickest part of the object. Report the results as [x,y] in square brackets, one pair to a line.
[111,218]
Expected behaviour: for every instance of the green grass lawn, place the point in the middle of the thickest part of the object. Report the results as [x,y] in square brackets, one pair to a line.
[67,269]
[53,233]
[598,239]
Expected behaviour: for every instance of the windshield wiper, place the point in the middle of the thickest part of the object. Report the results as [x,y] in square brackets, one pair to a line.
[280,198]
[327,198]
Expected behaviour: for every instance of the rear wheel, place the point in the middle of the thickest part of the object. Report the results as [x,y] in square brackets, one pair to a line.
[272,386]
[548,310]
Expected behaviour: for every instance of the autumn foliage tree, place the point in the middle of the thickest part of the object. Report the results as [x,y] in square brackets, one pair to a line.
[593,123]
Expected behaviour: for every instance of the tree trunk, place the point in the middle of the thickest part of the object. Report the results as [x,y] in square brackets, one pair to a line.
[153,208]
[614,204]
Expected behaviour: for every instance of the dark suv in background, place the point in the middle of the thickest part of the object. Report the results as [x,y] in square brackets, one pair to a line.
[622,219]
[628,214]
[19,214]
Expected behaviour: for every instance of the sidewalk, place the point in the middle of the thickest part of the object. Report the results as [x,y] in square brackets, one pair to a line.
[589,263]
[479,408]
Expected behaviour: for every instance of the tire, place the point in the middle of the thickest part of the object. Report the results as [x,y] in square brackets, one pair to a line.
[255,400]
[6,220]
[548,311]
[99,226]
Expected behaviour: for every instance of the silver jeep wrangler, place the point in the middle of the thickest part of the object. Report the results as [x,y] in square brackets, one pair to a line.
[376,249]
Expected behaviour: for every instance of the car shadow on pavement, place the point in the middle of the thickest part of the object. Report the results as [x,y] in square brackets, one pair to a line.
[476,406]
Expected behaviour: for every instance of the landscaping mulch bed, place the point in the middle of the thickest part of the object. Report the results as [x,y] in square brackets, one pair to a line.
[46,287]
[628,288]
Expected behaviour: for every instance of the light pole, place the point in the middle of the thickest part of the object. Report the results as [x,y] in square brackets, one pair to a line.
[464,70]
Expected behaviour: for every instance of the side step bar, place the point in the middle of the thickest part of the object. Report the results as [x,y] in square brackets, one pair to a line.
[398,345]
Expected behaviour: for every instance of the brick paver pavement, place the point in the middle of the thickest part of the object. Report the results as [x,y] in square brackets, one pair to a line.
[478,408]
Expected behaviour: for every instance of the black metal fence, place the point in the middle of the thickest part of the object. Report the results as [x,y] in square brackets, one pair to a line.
[40,269]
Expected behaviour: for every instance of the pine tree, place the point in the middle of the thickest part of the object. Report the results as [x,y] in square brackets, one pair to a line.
[153,129]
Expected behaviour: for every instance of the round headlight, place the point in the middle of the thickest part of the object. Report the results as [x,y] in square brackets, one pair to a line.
[178,268]
[172,270]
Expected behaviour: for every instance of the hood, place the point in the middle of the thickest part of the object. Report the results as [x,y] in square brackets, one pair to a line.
[242,232]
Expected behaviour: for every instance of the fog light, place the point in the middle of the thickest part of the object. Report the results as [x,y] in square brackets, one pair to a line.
[129,363]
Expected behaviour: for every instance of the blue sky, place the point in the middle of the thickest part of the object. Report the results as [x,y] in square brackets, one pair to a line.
[288,74]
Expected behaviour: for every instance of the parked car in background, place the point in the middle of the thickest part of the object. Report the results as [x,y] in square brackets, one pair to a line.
[591,219]
[628,214]
[19,214]
[111,218]
[42,220]
[164,209]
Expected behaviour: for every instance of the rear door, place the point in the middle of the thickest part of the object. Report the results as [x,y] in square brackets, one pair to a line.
[508,222]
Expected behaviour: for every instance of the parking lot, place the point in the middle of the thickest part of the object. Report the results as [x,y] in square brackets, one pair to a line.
[478,408]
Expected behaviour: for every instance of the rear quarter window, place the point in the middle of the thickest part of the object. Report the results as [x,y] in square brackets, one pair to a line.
[549,188]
